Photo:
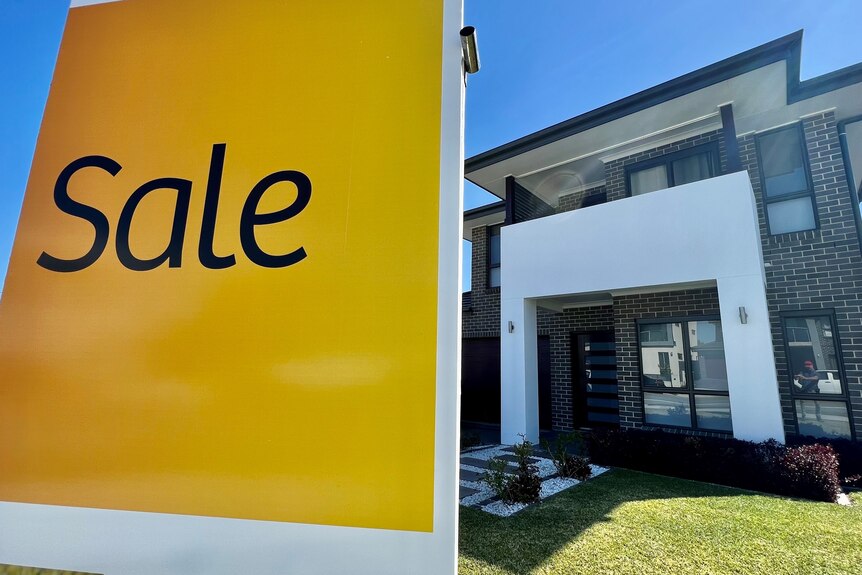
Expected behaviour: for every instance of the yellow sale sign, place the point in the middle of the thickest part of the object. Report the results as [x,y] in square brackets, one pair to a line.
[222,294]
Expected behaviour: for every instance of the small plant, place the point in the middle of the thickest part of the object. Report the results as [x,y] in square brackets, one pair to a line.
[568,465]
[522,486]
[497,478]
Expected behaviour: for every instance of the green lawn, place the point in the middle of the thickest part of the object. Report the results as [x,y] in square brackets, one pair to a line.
[625,522]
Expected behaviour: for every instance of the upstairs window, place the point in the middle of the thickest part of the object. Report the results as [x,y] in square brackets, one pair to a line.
[674,169]
[787,190]
[494,256]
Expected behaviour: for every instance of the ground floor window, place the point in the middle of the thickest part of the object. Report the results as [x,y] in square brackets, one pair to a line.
[684,374]
[814,365]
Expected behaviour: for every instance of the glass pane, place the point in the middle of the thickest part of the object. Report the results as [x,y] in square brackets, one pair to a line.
[691,169]
[822,418]
[494,277]
[603,402]
[667,409]
[656,334]
[708,368]
[783,167]
[494,248]
[812,355]
[713,412]
[662,356]
[602,387]
[791,216]
[648,180]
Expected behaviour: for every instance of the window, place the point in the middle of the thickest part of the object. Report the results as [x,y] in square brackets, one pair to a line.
[787,190]
[683,374]
[671,170]
[816,375]
[494,256]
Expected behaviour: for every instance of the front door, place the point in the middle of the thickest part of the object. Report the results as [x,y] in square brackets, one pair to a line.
[594,380]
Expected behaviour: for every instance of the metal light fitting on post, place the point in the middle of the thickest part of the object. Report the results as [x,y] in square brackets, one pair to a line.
[469,50]
[511,326]
[743,316]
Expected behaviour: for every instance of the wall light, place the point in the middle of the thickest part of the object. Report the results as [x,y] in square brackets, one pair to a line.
[469,49]
[743,317]
[511,326]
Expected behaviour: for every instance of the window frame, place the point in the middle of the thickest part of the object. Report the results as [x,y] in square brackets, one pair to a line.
[710,148]
[488,265]
[844,396]
[690,390]
[806,166]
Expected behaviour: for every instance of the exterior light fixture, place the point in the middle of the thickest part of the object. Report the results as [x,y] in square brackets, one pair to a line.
[743,317]
[511,326]
[469,50]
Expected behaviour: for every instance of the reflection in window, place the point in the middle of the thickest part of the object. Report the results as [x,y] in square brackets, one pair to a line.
[661,345]
[789,199]
[713,412]
[709,371]
[812,355]
[494,256]
[648,180]
[813,364]
[668,398]
[667,409]
[673,170]
[822,418]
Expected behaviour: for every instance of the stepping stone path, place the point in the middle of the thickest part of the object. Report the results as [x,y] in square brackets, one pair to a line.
[477,494]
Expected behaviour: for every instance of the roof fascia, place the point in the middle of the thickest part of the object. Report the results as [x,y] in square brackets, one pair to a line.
[785,48]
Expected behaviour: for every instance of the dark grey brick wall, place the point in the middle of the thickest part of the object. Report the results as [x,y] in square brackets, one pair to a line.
[818,270]
[627,309]
[615,171]
[560,326]
[573,201]
[483,319]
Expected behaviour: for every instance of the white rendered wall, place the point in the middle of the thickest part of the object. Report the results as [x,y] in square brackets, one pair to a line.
[705,232]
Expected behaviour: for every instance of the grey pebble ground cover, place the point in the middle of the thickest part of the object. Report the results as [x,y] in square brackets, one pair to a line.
[486,500]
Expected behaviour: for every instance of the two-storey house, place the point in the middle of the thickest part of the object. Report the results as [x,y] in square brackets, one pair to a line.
[687,258]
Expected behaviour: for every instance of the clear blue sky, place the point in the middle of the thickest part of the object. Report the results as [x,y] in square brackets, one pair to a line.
[542,62]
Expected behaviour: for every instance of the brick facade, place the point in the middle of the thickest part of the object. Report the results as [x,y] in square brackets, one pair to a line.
[483,319]
[574,201]
[615,170]
[818,270]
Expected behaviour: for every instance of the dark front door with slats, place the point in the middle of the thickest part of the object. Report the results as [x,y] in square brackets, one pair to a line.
[594,380]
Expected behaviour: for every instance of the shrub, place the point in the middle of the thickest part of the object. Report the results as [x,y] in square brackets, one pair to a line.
[768,466]
[521,487]
[568,465]
[849,454]
[810,471]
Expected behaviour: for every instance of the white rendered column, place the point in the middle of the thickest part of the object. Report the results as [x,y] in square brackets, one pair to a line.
[755,404]
[519,371]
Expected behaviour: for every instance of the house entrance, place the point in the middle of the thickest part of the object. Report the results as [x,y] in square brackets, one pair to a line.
[594,379]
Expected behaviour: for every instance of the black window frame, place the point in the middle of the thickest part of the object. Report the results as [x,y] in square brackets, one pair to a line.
[710,148]
[488,264]
[690,390]
[844,396]
[806,165]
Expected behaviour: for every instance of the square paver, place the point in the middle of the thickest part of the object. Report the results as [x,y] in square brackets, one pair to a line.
[468,475]
[466,492]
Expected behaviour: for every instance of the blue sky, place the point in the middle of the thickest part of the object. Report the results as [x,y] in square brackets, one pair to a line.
[542,62]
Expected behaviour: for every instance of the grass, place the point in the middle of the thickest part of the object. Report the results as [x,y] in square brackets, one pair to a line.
[625,522]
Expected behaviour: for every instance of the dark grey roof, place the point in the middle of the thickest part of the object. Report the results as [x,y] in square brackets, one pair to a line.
[787,48]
